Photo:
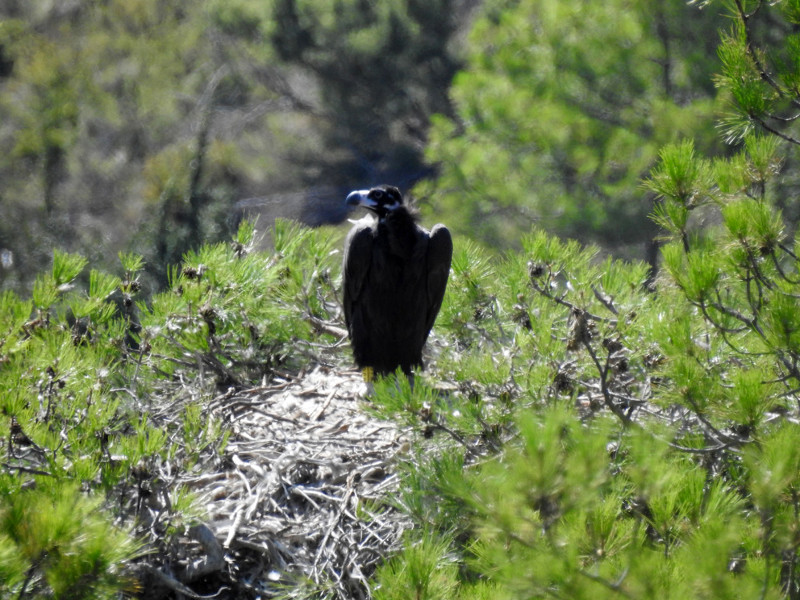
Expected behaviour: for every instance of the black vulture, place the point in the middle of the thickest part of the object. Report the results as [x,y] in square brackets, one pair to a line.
[395,273]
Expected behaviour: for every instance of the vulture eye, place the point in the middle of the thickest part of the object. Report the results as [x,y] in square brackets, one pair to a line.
[378,194]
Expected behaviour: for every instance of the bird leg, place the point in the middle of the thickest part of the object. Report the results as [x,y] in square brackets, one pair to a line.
[368,374]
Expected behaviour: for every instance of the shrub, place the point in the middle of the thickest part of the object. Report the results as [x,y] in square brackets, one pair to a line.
[100,391]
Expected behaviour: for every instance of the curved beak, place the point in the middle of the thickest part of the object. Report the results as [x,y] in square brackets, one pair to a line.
[360,198]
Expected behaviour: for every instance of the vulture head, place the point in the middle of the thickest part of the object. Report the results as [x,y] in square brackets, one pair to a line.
[381,200]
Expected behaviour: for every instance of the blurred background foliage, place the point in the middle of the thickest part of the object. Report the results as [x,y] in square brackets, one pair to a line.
[561,110]
[156,125]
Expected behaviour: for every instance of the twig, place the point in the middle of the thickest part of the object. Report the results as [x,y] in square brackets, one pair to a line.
[608,303]
[28,470]
[213,560]
[614,586]
[237,521]
[175,585]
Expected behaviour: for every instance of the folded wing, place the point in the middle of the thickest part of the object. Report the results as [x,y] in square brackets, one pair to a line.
[440,254]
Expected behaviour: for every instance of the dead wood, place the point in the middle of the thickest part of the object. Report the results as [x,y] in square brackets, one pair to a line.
[299,496]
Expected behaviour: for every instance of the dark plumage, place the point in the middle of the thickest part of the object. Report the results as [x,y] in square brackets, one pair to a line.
[395,274]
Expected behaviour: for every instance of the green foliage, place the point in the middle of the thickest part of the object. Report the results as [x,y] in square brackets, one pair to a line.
[214,315]
[144,124]
[561,109]
[422,571]
[587,428]
[56,541]
[757,98]
[614,435]
[384,69]
[58,413]
[86,371]
[88,98]
[616,448]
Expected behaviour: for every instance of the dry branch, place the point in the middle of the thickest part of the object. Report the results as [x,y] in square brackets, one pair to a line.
[300,493]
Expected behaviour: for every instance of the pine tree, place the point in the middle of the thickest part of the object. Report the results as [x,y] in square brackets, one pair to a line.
[615,437]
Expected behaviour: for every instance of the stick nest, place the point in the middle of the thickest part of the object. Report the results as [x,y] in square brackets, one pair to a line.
[296,505]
